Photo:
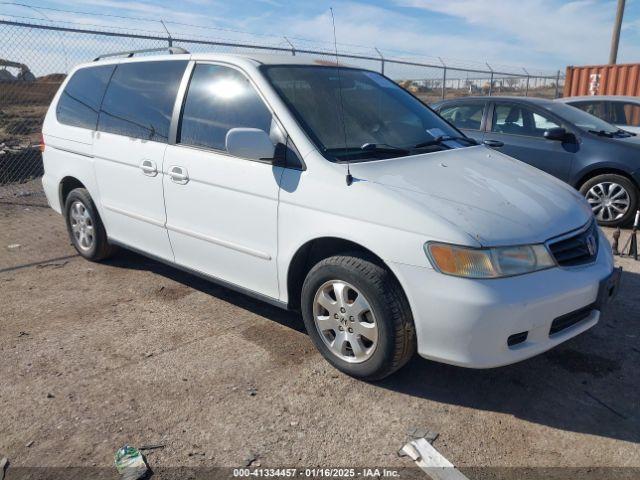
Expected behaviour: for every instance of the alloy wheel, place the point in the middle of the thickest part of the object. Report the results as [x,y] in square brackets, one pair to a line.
[82,225]
[609,201]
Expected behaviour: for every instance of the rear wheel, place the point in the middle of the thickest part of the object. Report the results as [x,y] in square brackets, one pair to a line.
[613,199]
[358,317]
[85,227]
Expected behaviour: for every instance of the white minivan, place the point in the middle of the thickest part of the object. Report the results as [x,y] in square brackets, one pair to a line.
[332,191]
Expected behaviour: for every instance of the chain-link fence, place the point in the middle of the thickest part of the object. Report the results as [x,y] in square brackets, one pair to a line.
[34,60]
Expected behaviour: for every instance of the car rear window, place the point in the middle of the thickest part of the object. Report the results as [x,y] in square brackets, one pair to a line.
[79,102]
[140,98]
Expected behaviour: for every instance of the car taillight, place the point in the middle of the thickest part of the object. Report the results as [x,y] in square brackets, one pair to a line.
[42,143]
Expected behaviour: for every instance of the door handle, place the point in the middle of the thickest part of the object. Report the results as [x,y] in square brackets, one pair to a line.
[178,174]
[493,143]
[149,167]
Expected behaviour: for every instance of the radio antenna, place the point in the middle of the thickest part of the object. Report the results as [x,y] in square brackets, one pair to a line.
[349,178]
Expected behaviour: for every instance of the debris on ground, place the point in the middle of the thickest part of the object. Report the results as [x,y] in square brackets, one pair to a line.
[154,446]
[50,395]
[130,463]
[52,264]
[13,246]
[29,443]
[253,391]
[419,432]
[23,334]
[431,461]
[3,467]
[252,460]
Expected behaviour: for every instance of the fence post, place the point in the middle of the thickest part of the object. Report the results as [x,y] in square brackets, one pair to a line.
[526,88]
[444,82]
[444,78]
[558,84]
[293,48]
[491,79]
[381,60]
[169,39]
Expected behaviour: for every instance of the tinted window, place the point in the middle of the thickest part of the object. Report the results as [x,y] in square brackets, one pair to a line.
[219,99]
[468,116]
[80,101]
[624,113]
[520,120]
[140,98]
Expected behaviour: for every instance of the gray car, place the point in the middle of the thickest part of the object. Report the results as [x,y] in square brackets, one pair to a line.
[597,158]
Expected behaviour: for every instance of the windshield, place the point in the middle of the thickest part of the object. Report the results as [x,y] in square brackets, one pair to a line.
[582,119]
[381,120]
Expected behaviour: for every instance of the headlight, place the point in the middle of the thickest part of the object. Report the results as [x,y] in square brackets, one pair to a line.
[488,262]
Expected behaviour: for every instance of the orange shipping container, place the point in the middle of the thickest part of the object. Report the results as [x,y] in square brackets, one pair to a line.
[621,79]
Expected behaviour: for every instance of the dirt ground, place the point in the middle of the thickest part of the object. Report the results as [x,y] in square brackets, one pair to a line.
[93,356]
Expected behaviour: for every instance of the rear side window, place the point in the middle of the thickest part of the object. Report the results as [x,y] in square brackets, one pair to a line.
[467,116]
[140,98]
[219,99]
[80,100]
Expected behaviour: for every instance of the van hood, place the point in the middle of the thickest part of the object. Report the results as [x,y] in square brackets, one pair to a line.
[495,199]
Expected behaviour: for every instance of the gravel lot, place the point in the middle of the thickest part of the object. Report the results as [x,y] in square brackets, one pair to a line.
[96,355]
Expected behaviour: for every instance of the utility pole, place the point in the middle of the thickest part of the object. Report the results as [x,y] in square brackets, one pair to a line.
[615,38]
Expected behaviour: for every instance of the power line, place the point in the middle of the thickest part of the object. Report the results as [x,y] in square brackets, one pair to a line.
[462,64]
[171,22]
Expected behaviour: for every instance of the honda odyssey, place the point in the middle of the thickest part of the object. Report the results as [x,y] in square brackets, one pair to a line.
[332,191]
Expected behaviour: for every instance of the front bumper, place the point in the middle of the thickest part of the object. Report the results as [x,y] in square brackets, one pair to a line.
[469,322]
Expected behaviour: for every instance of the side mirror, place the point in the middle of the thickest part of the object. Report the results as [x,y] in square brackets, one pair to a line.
[251,143]
[557,133]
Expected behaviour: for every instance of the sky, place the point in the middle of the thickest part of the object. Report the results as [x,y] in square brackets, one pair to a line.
[542,35]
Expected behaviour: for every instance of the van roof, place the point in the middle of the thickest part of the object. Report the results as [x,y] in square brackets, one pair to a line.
[256,58]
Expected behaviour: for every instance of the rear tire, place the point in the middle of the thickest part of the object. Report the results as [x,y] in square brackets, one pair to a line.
[608,194]
[369,333]
[86,230]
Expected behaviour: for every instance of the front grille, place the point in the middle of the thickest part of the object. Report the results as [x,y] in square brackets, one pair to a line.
[579,249]
[570,319]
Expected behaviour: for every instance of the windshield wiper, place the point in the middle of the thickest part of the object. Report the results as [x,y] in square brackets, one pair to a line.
[443,138]
[602,133]
[624,133]
[383,148]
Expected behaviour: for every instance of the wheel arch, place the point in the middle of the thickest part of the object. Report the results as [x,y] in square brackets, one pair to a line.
[586,176]
[67,184]
[317,249]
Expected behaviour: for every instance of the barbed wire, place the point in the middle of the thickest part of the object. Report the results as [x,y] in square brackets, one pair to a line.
[298,42]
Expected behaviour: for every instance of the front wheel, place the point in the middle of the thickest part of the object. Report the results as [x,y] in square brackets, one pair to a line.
[358,317]
[613,199]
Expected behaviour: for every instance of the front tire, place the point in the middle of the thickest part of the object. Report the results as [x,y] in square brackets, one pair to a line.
[358,317]
[85,227]
[613,199]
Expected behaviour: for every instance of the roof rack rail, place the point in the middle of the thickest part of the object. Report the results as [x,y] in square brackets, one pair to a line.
[131,53]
